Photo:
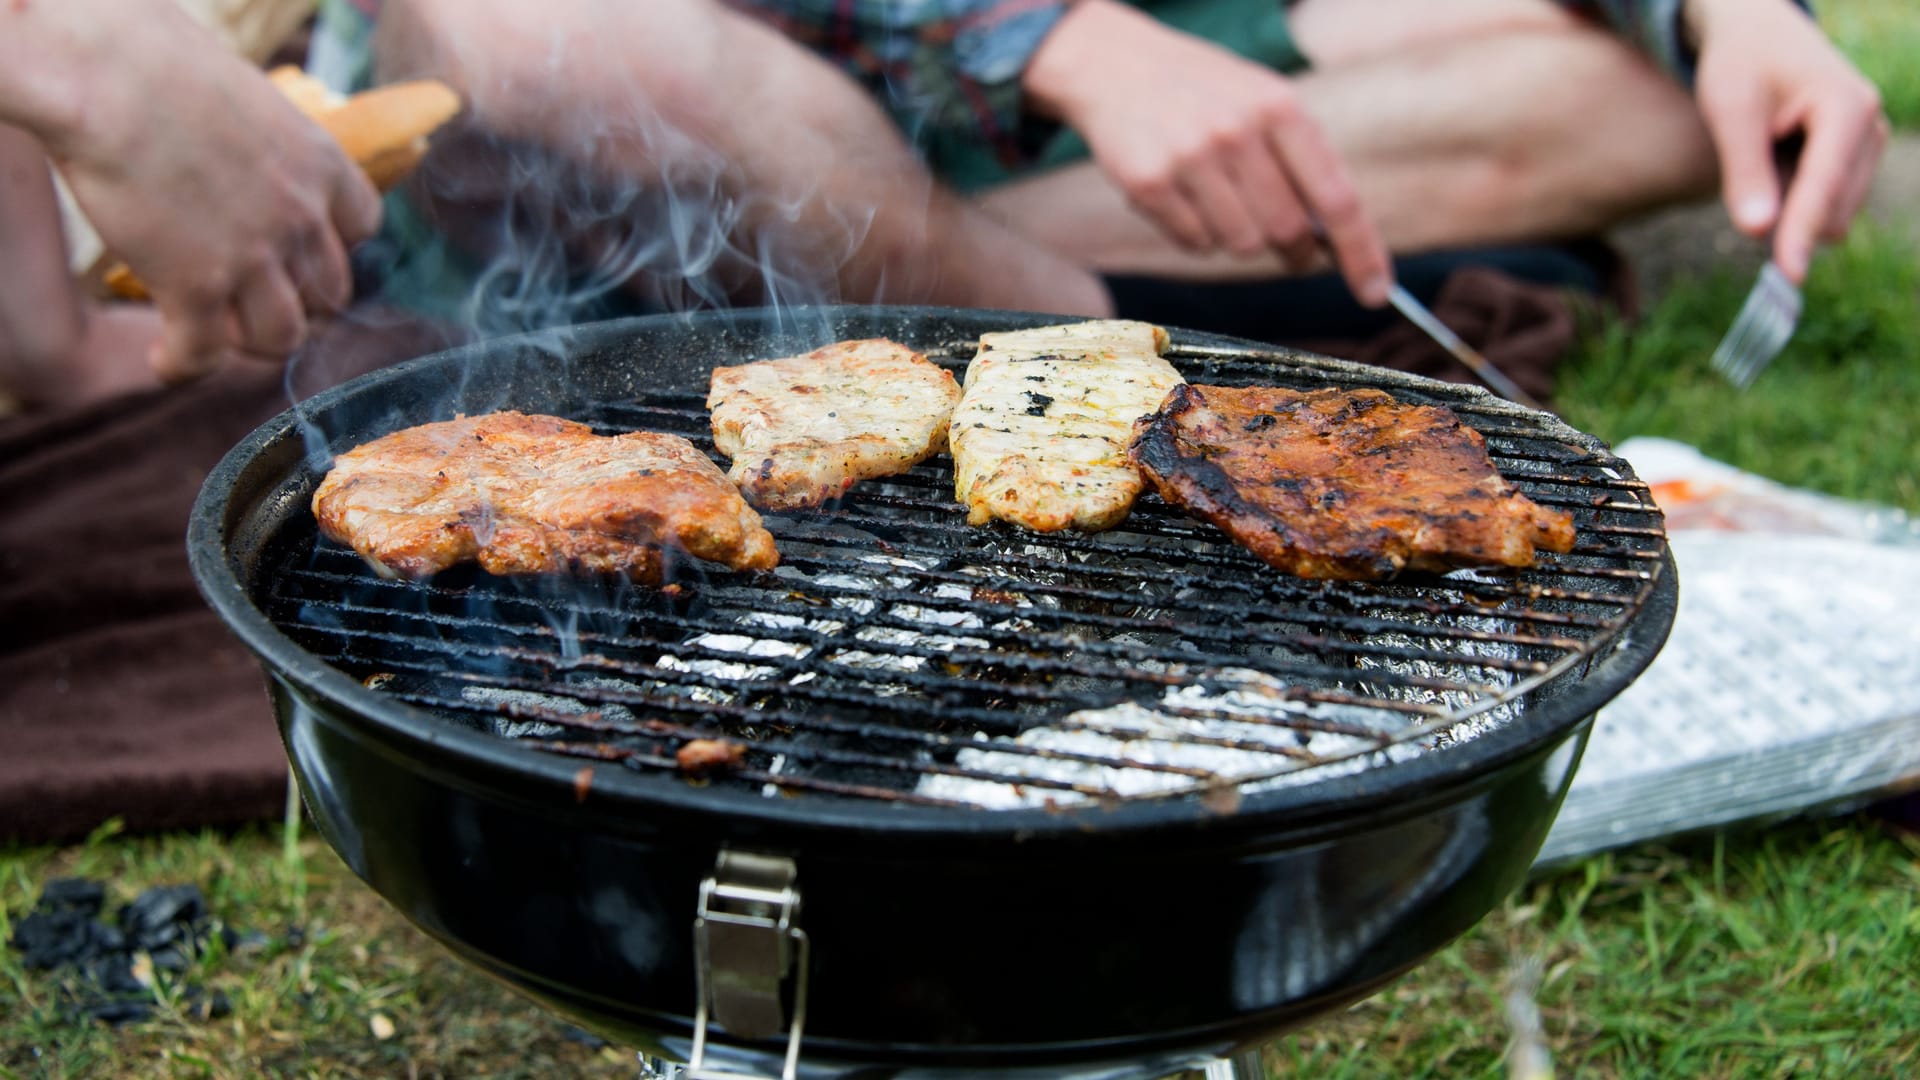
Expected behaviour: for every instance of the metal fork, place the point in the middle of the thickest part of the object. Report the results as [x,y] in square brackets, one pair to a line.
[1763,327]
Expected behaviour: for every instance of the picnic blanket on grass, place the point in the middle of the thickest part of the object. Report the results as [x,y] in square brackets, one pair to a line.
[121,693]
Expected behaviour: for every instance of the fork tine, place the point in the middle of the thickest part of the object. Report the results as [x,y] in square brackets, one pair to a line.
[1760,347]
[1774,331]
[1733,347]
[1762,328]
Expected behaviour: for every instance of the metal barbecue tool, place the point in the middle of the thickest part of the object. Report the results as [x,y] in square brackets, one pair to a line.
[1418,313]
[1423,317]
[1767,320]
[1763,327]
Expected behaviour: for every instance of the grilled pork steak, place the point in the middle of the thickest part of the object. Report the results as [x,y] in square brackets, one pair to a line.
[1040,435]
[1340,484]
[526,494]
[803,429]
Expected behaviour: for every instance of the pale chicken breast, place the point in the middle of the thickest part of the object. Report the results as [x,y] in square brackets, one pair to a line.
[1040,436]
[804,429]
[524,494]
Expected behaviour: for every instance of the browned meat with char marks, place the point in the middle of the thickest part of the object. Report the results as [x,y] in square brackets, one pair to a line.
[804,429]
[1340,483]
[526,494]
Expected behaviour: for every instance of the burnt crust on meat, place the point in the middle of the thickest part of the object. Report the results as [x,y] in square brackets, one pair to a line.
[522,494]
[1340,483]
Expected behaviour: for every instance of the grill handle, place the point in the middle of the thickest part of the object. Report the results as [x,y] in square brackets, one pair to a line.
[747,944]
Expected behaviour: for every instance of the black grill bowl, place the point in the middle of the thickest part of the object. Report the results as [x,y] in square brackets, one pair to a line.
[1122,938]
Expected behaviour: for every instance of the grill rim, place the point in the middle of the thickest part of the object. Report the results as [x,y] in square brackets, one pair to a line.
[244,502]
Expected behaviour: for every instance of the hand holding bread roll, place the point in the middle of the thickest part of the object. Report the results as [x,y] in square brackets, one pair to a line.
[384,130]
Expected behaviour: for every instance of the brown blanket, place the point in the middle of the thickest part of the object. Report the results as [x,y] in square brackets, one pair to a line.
[121,694]
[1523,329]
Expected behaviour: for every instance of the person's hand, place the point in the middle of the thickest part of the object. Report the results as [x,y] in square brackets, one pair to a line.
[1213,147]
[234,209]
[1766,72]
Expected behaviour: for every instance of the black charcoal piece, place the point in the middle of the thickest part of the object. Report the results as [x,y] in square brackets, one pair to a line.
[204,1006]
[81,893]
[116,1011]
[162,915]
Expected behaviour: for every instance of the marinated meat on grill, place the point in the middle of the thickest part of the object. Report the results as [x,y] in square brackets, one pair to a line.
[1341,484]
[526,494]
[700,756]
[803,429]
[1040,434]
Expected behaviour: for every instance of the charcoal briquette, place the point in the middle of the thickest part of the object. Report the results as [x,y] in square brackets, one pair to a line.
[170,958]
[204,1006]
[117,1011]
[47,939]
[113,973]
[244,942]
[83,894]
[158,916]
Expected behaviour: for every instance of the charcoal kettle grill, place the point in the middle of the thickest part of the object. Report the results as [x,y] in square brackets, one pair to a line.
[1102,805]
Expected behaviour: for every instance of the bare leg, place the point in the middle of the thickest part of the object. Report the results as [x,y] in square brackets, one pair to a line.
[1486,121]
[748,157]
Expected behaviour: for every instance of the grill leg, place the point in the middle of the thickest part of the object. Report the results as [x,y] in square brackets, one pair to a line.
[1245,1065]
[653,1068]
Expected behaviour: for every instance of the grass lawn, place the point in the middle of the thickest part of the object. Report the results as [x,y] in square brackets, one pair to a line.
[1785,951]
[1883,37]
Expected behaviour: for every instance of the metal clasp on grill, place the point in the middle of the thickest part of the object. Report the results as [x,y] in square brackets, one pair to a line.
[746,944]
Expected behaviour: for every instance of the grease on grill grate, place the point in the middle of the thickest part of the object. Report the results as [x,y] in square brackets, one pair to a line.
[899,654]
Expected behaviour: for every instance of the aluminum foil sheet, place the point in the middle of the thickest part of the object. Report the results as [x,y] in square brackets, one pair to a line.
[1236,729]
[1791,680]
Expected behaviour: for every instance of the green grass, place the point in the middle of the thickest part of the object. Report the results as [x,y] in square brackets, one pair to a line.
[1883,38]
[1836,412]
[1771,954]
[1787,952]
[306,1009]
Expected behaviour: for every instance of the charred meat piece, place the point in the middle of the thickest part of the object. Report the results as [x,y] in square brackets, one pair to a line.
[803,429]
[701,756]
[1040,435]
[1341,484]
[526,494]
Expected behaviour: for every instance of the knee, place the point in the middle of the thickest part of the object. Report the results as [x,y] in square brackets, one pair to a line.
[540,70]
